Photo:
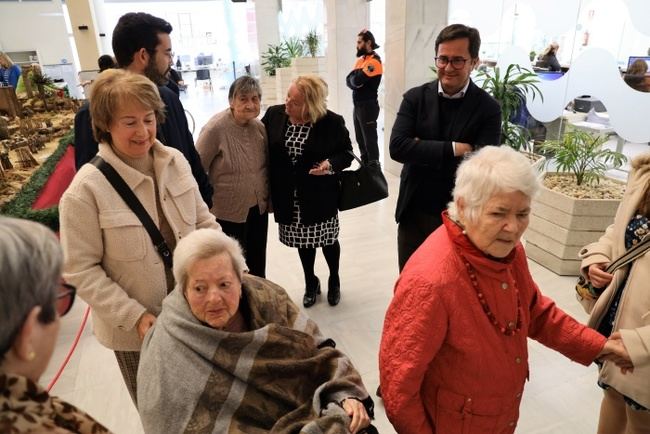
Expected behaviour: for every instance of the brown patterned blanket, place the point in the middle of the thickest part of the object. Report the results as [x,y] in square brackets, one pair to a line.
[280,377]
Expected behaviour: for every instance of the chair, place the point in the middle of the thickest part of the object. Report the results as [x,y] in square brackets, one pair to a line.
[203,74]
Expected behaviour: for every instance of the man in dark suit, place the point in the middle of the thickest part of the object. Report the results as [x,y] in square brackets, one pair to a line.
[437,124]
[142,45]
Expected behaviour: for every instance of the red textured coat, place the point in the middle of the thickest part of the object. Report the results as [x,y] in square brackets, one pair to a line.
[444,367]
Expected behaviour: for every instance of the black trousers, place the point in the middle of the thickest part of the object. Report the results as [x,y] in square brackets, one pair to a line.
[252,236]
[414,227]
[365,116]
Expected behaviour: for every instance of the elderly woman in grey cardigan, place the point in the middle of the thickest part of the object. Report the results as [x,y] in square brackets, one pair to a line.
[233,151]
[231,353]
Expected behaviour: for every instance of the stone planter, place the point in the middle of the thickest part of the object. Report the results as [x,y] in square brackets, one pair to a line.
[268,85]
[310,65]
[561,225]
[283,77]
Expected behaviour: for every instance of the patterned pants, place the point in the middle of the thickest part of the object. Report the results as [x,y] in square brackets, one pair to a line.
[128,362]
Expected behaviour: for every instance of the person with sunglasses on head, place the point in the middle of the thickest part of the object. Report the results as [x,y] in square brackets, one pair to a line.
[436,125]
[34,299]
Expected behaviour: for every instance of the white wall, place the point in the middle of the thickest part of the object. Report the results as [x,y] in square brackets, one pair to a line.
[35,26]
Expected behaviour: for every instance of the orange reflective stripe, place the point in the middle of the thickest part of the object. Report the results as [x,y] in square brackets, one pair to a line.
[363,63]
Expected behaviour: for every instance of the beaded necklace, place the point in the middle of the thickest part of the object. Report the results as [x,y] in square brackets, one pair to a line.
[512,327]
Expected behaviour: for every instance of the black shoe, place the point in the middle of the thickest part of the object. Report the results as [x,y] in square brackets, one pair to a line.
[333,290]
[378,392]
[311,292]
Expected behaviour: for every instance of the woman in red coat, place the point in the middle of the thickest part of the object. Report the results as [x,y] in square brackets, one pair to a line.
[454,356]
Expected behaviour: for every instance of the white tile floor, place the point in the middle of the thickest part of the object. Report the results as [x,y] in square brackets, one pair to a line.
[561,396]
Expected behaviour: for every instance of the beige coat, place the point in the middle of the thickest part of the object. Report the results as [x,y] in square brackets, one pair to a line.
[633,316]
[109,255]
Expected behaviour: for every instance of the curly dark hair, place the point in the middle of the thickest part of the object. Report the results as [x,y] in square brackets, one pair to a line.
[134,31]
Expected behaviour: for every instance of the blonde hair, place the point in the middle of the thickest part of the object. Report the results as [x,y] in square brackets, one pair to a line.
[204,244]
[5,60]
[115,88]
[490,171]
[314,89]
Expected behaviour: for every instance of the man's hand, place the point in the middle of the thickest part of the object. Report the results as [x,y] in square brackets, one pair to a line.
[462,148]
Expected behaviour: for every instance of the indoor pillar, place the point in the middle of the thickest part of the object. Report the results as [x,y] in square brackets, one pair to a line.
[84,30]
[345,19]
[411,30]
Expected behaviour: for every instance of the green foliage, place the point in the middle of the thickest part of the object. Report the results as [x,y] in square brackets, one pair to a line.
[20,205]
[294,47]
[276,56]
[311,42]
[581,154]
[510,90]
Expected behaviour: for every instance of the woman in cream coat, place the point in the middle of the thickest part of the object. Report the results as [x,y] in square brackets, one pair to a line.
[109,255]
[623,308]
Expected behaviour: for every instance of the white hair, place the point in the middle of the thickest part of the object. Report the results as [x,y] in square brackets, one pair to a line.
[204,244]
[30,268]
[491,170]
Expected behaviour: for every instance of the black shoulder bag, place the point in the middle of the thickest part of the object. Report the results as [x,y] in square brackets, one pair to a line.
[361,186]
[136,206]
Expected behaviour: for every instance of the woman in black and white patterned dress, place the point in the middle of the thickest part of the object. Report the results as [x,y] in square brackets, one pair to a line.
[308,145]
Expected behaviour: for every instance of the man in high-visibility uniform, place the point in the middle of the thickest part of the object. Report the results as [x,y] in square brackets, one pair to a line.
[364,81]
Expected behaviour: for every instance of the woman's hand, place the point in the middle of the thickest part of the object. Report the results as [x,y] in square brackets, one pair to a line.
[615,351]
[357,412]
[322,168]
[144,324]
[597,275]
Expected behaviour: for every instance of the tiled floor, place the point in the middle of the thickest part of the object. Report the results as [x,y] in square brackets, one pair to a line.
[561,396]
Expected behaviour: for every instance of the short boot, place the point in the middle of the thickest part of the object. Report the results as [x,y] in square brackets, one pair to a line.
[312,289]
[333,290]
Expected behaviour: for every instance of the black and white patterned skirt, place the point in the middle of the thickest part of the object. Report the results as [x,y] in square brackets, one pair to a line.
[297,234]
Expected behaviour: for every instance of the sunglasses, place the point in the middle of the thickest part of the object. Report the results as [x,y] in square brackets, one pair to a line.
[65,298]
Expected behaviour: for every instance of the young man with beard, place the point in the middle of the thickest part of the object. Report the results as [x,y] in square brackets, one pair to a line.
[436,125]
[364,81]
[142,45]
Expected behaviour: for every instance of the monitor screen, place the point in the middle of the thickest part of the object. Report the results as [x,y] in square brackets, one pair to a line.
[633,59]
[549,75]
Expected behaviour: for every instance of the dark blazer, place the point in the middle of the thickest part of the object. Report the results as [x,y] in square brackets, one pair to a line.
[429,164]
[174,132]
[318,195]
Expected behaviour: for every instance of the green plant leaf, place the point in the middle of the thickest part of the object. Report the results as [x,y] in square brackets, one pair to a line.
[581,154]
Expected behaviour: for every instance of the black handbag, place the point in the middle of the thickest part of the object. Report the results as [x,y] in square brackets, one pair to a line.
[360,187]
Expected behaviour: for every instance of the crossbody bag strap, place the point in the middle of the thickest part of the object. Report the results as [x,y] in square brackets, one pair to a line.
[630,255]
[132,201]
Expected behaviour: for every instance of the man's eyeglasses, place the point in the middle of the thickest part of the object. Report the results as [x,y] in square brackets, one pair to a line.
[456,62]
[65,298]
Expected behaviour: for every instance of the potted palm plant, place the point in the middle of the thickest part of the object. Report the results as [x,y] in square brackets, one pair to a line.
[576,204]
[510,89]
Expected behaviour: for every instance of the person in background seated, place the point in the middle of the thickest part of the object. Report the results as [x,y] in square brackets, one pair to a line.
[33,301]
[635,76]
[105,62]
[622,309]
[230,352]
[548,58]
[175,81]
[241,185]
[454,350]
[110,256]
[9,71]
